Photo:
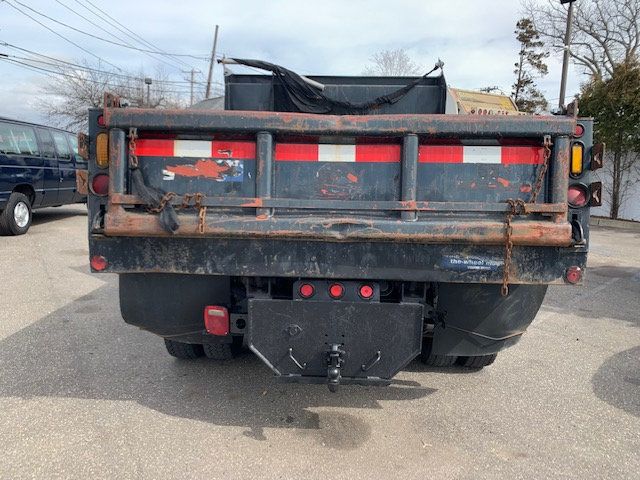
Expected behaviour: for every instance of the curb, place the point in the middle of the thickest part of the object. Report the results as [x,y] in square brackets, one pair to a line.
[622,224]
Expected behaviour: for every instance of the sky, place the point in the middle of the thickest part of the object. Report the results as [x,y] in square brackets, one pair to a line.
[474,38]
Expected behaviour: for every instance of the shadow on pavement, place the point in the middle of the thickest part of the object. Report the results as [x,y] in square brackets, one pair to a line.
[45,215]
[84,350]
[605,286]
[617,381]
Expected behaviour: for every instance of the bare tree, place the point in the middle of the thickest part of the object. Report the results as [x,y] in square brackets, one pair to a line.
[605,32]
[75,88]
[392,63]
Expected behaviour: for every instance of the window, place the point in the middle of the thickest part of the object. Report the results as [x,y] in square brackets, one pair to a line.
[62,147]
[48,147]
[73,141]
[18,139]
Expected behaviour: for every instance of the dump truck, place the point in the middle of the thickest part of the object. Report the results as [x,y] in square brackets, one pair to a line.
[338,227]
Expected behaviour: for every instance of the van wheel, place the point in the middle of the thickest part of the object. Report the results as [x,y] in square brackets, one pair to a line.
[183,351]
[219,351]
[477,362]
[15,219]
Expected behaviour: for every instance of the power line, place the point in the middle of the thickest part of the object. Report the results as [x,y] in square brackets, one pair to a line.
[50,73]
[201,57]
[57,61]
[125,30]
[62,36]
[150,55]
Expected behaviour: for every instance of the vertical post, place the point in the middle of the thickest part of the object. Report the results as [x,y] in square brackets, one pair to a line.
[560,170]
[117,160]
[264,169]
[565,58]
[213,59]
[191,98]
[409,186]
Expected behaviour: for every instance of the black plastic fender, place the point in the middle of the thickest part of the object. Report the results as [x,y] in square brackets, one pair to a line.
[172,305]
[475,319]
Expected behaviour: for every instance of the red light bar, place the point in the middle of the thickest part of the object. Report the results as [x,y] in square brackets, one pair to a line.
[306,290]
[336,291]
[366,291]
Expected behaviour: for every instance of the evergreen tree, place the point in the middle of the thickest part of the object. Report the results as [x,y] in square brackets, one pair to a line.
[529,66]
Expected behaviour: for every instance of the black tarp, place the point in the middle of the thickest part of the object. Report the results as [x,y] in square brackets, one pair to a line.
[308,99]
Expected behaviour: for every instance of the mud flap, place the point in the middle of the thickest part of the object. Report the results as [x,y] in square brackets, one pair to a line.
[334,342]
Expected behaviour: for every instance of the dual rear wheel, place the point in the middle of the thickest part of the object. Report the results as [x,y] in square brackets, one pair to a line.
[190,351]
[474,363]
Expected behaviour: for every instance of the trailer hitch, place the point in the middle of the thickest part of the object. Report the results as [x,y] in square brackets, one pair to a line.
[334,364]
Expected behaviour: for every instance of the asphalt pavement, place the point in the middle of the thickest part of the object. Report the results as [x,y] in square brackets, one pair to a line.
[82,395]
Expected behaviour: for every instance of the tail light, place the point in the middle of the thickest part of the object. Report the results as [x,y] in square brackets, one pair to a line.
[102,150]
[578,196]
[579,131]
[101,120]
[366,291]
[100,184]
[577,155]
[98,263]
[306,290]
[336,291]
[573,274]
[216,320]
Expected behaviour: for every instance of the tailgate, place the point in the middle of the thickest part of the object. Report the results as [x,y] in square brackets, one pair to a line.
[412,178]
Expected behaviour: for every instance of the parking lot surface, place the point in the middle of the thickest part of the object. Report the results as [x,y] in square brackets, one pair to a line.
[82,395]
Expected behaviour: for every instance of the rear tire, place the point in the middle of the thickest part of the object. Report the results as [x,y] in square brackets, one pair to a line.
[477,362]
[218,351]
[183,351]
[15,219]
[432,360]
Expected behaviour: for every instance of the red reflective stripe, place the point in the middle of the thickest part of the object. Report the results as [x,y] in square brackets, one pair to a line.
[522,155]
[154,148]
[378,153]
[232,149]
[440,154]
[296,152]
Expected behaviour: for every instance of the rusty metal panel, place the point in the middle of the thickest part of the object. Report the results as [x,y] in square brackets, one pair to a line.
[351,125]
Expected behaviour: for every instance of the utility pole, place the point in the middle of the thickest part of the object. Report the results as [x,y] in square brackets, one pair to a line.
[565,59]
[191,99]
[213,59]
[148,81]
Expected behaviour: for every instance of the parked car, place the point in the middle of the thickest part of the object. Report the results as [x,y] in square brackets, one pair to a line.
[38,168]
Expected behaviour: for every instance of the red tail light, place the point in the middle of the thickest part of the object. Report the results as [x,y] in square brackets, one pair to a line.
[573,274]
[101,120]
[336,291]
[579,131]
[366,291]
[100,184]
[98,263]
[216,320]
[306,290]
[577,196]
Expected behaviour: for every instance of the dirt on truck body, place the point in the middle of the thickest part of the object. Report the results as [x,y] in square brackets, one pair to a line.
[338,226]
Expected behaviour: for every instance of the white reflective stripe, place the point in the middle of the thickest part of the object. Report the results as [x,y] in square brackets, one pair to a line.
[336,153]
[192,148]
[482,154]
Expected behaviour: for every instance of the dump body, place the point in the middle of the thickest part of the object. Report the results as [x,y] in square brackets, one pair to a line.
[405,204]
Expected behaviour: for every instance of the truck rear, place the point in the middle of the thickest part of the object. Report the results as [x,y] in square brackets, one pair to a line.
[338,247]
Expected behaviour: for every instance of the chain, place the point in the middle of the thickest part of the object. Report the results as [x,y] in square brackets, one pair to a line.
[166,198]
[133,158]
[519,207]
[202,218]
[542,171]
